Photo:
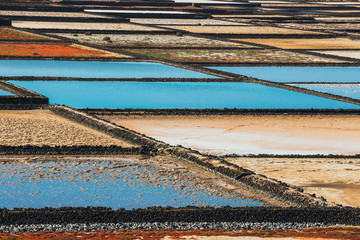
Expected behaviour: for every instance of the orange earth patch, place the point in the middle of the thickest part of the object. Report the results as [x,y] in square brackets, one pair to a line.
[49,50]
[352,233]
[10,34]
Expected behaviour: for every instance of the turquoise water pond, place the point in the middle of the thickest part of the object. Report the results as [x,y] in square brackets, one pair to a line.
[4,93]
[110,94]
[298,74]
[123,183]
[346,90]
[84,69]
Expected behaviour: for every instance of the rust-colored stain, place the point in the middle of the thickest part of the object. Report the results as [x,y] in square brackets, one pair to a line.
[48,50]
[10,34]
[351,233]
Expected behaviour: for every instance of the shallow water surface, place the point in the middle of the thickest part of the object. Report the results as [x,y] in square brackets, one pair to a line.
[105,94]
[85,69]
[4,93]
[123,183]
[298,74]
[346,90]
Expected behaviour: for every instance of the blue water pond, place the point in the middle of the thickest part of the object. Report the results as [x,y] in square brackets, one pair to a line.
[298,74]
[110,94]
[84,69]
[346,90]
[117,184]
[4,93]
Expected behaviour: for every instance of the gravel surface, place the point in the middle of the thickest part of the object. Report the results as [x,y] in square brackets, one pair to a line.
[157,226]
[239,30]
[50,14]
[142,40]
[82,26]
[201,22]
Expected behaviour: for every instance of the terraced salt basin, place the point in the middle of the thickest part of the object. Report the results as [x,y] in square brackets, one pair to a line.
[345,90]
[4,93]
[153,95]
[108,182]
[298,74]
[93,69]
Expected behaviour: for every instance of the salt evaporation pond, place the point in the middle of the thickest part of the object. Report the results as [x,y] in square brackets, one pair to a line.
[4,93]
[153,95]
[123,183]
[85,69]
[346,90]
[298,74]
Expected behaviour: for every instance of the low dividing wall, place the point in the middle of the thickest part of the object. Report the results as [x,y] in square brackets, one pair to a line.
[23,96]
[65,215]
[21,106]
[148,144]
[5,22]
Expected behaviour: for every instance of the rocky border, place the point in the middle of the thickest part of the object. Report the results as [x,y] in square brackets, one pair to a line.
[89,215]
[23,96]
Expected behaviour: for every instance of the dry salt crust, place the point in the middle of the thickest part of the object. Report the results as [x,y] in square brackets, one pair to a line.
[350,54]
[335,179]
[251,134]
[239,238]
[321,26]
[144,40]
[236,17]
[83,26]
[238,30]
[339,3]
[50,14]
[340,11]
[293,43]
[42,127]
[267,4]
[235,56]
[337,19]
[203,22]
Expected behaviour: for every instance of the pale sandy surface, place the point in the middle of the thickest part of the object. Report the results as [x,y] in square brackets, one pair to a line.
[335,179]
[202,22]
[293,43]
[351,54]
[337,19]
[146,40]
[321,26]
[253,16]
[50,14]
[82,26]
[42,127]
[240,238]
[252,134]
[247,16]
[239,30]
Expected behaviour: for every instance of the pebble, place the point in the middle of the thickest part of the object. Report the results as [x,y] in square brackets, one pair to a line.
[158,226]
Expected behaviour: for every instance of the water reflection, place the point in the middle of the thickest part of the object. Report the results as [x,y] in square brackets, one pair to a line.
[122,183]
